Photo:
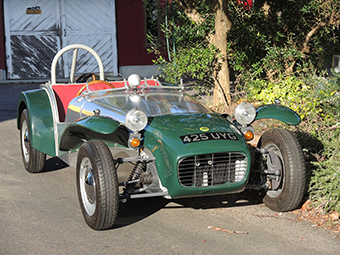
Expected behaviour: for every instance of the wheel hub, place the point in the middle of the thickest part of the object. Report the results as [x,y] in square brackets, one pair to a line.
[274,169]
[87,186]
[25,142]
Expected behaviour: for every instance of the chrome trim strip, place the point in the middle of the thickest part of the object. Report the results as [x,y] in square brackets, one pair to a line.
[53,102]
[158,194]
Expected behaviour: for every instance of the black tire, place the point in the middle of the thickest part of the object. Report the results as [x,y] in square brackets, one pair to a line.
[97,185]
[288,192]
[34,160]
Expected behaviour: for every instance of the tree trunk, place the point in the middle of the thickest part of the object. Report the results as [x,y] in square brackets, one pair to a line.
[222,79]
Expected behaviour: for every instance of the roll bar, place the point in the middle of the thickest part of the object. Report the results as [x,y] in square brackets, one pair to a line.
[74,61]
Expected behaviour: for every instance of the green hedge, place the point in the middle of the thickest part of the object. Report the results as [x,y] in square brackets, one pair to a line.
[317,100]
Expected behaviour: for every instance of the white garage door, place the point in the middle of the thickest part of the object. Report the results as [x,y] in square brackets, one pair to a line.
[37,30]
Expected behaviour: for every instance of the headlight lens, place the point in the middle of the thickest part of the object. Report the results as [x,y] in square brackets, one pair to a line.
[134,80]
[136,120]
[245,113]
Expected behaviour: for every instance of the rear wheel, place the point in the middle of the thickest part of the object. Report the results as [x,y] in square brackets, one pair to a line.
[97,185]
[34,160]
[286,170]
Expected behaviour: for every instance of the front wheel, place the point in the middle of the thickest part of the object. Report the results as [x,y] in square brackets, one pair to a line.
[97,185]
[286,170]
[34,160]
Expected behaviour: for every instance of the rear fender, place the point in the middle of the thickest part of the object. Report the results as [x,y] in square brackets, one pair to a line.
[40,120]
[93,127]
[278,112]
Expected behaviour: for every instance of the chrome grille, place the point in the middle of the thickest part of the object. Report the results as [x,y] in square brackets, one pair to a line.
[212,169]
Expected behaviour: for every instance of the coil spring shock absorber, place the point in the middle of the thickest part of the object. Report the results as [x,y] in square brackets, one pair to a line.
[135,175]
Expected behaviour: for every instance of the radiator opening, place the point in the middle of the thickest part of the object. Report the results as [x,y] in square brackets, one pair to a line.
[212,169]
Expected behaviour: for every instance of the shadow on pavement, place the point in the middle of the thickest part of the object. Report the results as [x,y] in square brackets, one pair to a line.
[248,197]
[54,164]
[139,209]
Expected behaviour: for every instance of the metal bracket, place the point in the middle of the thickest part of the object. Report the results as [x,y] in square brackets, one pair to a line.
[135,159]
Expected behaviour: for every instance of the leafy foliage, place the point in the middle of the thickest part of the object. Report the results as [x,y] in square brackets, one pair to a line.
[278,38]
[325,181]
[317,100]
[266,41]
[274,54]
[292,92]
[184,50]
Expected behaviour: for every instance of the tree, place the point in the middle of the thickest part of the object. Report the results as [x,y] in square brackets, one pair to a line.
[222,27]
[219,40]
[278,38]
[214,41]
[204,26]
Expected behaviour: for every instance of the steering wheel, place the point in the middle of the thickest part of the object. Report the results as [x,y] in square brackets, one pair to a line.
[96,85]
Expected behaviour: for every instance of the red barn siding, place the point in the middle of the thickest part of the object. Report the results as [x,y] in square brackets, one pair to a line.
[131,39]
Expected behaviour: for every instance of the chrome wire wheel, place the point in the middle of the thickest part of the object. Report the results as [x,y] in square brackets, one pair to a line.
[87,186]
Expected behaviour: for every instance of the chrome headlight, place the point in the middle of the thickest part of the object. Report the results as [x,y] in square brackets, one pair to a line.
[136,120]
[245,113]
[134,80]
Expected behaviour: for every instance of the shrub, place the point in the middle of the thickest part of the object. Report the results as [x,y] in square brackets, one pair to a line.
[325,181]
[317,100]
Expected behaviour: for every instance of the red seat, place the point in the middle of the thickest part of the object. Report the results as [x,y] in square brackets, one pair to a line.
[150,82]
[64,94]
[98,85]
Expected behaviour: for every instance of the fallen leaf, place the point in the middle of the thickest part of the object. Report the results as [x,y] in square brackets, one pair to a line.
[306,206]
[334,216]
[227,230]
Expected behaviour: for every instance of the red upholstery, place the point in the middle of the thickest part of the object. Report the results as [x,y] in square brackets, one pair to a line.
[150,82]
[64,94]
[99,86]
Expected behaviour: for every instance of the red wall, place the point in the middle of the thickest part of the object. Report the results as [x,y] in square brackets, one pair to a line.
[131,38]
[2,38]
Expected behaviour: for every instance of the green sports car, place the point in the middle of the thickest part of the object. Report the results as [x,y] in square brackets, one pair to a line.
[140,138]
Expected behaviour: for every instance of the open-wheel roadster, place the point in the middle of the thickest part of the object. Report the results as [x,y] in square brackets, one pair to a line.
[140,138]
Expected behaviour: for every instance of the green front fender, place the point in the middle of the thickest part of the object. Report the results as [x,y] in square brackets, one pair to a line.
[40,120]
[93,127]
[98,124]
[278,112]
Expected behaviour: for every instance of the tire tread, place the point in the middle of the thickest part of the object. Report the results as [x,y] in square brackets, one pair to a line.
[37,159]
[107,196]
[295,181]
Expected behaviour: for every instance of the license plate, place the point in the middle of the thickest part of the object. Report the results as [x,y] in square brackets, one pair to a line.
[208,137]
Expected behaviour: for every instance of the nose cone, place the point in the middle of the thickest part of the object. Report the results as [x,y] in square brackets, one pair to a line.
[176,140]
[202,129]
[181,135]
